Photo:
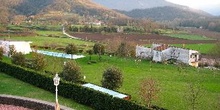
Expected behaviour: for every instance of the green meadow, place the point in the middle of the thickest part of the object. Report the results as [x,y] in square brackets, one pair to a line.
[173,80]
[189,36]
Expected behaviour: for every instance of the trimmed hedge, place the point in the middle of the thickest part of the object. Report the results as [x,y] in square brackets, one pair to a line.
[86,96]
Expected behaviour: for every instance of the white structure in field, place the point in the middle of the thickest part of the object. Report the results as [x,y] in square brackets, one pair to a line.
[20,46]
[163,52]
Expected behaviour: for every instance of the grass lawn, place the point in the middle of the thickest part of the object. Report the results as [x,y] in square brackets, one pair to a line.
[189,36]
[173,81]
[12,86]
[52,41]
[202,48]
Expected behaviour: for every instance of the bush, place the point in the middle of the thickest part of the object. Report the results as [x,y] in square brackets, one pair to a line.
[38,62]
[12,50]
[71,49]
[112,78]
[99,49]
[1,53]
[18,58]
[71,72]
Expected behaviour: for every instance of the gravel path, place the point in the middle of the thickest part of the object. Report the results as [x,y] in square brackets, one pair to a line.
[12,107]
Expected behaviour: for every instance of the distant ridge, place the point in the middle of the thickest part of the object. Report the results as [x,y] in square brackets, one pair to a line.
[167,13]
[55,9]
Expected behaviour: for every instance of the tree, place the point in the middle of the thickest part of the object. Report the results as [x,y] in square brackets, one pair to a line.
[112,78]
[193,95]
[12,50]
[90,52]
[71,49]
[38,62]
[1,53]
[18,58]
[99,49]
[149,90]
[123,50]
[71,72]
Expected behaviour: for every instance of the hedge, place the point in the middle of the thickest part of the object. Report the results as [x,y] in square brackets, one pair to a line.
[86,96]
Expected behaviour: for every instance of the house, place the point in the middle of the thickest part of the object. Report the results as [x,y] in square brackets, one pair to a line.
[19,46]
[164,52]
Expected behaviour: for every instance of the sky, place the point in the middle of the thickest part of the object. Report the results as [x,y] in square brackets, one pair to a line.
[210,6]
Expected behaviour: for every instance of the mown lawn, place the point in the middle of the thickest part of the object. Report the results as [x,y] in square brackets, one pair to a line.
[12,86]
[174,81]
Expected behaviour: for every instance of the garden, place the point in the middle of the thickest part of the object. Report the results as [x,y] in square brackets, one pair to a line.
[175,82]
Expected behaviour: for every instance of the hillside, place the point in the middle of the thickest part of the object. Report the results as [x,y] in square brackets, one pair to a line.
[167,13]
[128,5]
[55,10]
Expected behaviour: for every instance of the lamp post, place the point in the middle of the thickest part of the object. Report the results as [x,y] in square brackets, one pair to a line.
[56,81]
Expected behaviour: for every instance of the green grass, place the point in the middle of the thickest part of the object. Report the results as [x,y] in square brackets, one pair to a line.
[202,48]
[45,41]
[189,36]
[173,80]
[173,83]
[12,86]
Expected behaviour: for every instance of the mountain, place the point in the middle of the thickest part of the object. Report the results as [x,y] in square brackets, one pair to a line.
[167,13]
[55,9]
[128,5]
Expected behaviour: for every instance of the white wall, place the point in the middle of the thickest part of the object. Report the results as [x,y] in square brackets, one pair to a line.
[143,52]
[20,46]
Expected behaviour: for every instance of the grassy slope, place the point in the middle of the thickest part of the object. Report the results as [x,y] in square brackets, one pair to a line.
[16,87]
[172,79]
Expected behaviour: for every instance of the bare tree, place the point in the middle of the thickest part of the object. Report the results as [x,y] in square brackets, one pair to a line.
[193,95]
[149,91]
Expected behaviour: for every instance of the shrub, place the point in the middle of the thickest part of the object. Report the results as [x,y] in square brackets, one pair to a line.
[148,91]
[38,62]
[99,49]
[71,72]
[71,49]
[112,78]
[12,50]
[1,53]
[18,58]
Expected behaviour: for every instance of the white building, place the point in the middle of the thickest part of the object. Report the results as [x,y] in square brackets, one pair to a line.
[20,46]
[163,52]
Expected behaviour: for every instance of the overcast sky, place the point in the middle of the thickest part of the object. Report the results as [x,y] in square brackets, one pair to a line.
[211,6]
[197,3]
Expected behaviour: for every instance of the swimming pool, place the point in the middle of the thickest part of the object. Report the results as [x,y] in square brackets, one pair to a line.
[61,55]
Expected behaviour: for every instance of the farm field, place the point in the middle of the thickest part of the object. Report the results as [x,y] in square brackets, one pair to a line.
[189,36]
[140,39]
[173,80]
[12,86]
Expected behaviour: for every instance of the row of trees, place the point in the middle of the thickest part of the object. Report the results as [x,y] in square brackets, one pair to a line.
[212,24]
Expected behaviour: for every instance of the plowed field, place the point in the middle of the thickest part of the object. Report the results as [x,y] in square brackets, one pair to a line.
[138,38]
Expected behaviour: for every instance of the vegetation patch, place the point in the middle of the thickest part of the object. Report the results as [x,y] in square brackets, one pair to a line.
[189,36]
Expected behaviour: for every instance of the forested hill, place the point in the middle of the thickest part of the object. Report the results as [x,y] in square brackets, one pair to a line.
[166,13]
[46,9]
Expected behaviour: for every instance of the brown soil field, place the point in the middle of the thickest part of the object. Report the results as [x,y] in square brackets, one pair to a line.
[139,39]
